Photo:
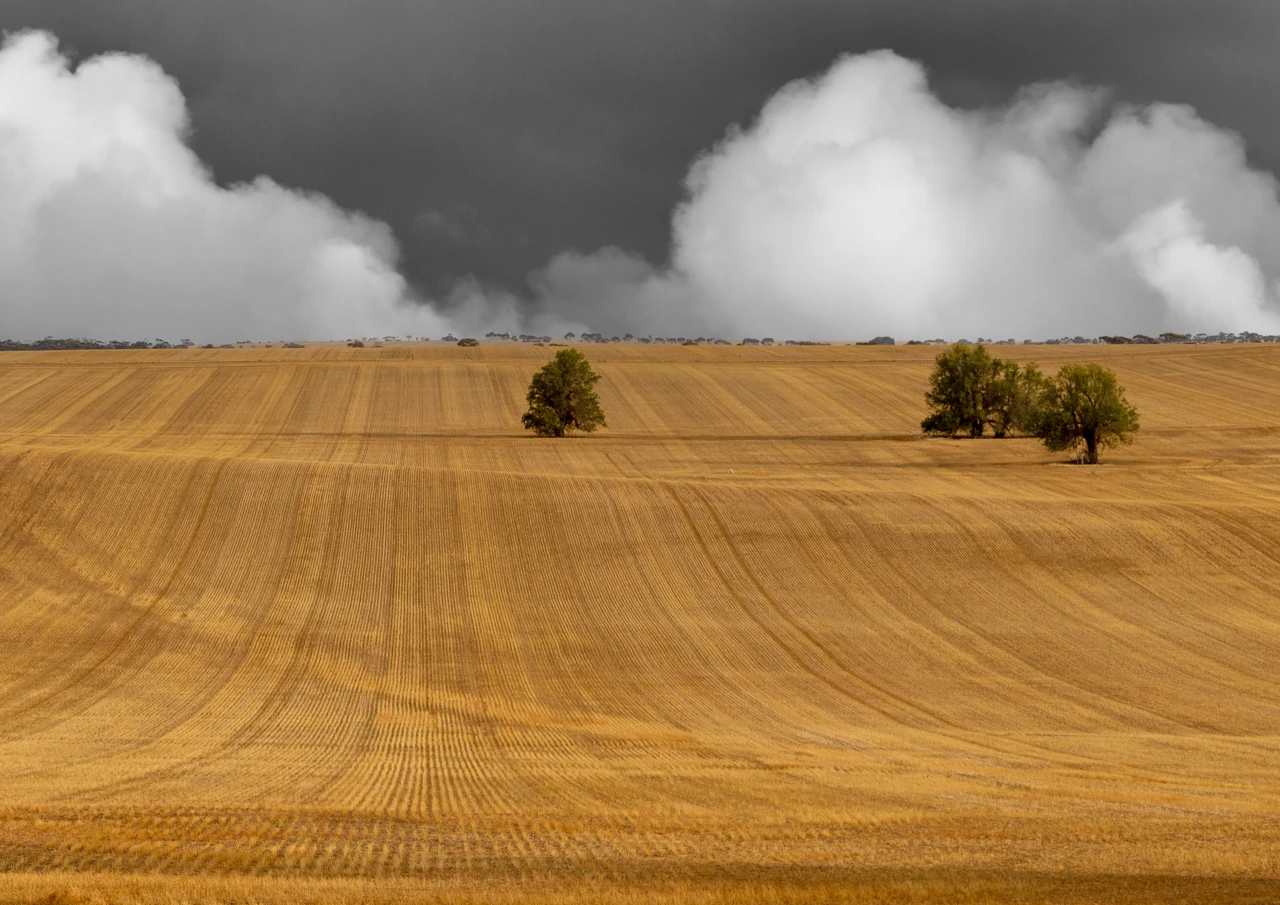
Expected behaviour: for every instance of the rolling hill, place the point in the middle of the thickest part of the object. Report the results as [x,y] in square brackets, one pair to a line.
[325,623]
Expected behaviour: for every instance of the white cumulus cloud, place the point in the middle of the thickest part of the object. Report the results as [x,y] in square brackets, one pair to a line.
[1207,287]
[111,227]
[858,203]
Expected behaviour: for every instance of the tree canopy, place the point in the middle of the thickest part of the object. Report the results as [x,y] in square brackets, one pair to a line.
[1080,406]
[970,390]
[562,397]
[1084,405]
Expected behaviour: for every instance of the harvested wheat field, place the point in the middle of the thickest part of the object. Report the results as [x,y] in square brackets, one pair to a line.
[326,625]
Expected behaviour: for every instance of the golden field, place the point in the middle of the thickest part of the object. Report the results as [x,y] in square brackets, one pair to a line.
[326,625]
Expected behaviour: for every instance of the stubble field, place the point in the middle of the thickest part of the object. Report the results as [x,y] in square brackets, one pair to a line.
[326,625]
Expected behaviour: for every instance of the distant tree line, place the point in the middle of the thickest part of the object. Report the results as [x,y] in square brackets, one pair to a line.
[62,345]
[1082,407]
[49,344]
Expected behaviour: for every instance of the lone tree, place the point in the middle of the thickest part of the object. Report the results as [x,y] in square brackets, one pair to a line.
[1083,404]
[561,397]
[969,390]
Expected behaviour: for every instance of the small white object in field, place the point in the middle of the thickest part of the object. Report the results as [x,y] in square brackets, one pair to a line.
[730,471]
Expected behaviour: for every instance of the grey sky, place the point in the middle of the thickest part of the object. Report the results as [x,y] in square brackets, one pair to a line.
[492,134]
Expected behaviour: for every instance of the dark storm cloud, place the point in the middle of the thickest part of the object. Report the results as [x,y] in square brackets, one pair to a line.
[493,135]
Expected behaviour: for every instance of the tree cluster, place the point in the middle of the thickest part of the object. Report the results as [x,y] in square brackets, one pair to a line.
[970,391]
[1082,406]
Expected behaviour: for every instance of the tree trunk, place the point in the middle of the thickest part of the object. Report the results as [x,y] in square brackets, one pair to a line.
[1091,448]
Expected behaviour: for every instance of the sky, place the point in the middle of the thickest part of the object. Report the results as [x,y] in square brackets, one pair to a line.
[616,166]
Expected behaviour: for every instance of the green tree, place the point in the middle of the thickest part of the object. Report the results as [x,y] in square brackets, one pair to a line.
[969,390]
[957,391]
[1012,395]
[1084,405]
[562,397]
